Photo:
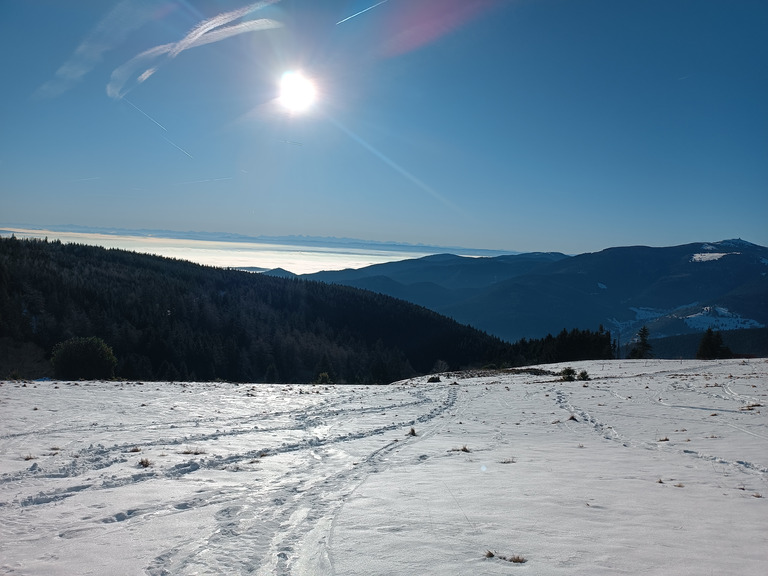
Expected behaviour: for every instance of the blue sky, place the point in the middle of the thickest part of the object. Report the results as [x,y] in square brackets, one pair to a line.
[569,125]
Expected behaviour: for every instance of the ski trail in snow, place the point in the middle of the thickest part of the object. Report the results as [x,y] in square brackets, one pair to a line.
[285,523]
[295,480]
[629,438]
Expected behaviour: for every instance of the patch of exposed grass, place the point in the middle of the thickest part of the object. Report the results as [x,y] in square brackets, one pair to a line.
[752,406]
[195,450]
[515,558]
[145,463]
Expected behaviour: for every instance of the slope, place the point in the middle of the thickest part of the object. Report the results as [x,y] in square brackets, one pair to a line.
[174,320]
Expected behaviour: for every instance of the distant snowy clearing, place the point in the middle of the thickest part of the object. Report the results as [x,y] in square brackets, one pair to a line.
[709,256]
[651,467]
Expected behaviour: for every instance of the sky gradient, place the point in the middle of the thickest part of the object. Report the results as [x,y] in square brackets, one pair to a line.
[526,125]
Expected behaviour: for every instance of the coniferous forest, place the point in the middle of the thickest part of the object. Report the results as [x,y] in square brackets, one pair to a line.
[169,319]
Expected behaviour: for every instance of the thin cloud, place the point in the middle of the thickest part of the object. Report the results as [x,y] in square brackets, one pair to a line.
[112,30]
[211,30]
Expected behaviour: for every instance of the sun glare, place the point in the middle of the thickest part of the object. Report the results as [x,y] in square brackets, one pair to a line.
[297,93]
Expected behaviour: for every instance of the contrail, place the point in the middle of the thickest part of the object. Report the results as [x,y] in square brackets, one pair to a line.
[205,32]
[210,24]
[112,30]
[145,114]
[203,180]
[178,147]
[361,11]
[122,74]
[394,165]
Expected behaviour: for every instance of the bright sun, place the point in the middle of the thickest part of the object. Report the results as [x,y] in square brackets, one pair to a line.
[297,93]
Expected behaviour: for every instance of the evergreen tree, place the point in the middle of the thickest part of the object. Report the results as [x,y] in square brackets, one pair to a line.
[711,346]
[642,348]
[88,358]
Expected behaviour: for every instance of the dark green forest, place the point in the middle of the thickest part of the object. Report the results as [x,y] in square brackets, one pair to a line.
[169,319]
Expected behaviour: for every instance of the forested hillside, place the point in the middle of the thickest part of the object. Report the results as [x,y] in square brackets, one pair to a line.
[173,320]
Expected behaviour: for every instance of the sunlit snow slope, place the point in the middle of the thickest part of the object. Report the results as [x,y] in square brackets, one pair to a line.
[652,467]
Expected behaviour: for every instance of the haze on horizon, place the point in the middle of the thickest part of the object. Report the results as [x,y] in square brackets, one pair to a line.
[526,125]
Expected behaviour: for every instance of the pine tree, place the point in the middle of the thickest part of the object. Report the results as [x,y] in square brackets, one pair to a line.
[642,349]
[711,346]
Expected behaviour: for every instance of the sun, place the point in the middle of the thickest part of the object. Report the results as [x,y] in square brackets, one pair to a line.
[297,93]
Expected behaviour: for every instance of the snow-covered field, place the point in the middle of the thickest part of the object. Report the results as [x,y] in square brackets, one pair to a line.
[651,467]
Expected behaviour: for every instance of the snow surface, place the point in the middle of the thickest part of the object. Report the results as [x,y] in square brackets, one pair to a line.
[651,467]
[709,256]
[719,318]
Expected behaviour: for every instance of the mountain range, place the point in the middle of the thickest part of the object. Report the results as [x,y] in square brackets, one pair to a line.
[672,290]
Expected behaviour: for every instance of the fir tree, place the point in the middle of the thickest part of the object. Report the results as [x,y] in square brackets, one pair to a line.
[711,346]
[642,348]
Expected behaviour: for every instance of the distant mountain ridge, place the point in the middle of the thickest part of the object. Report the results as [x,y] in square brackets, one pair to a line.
[232,237]
[673,290]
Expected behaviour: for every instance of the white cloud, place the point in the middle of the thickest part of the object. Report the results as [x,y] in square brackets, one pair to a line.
[208,31]
[111,31]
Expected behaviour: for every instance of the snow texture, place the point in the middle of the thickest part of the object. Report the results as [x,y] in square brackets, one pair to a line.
[652,467]
[719,318]
[709,256]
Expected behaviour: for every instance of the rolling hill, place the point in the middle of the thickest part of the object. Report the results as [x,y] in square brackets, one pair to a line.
[673,290]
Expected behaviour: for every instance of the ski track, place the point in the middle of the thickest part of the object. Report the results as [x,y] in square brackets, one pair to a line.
[726,402]
[260,473]
[268,516]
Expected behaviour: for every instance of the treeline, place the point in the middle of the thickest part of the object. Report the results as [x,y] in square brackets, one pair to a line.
[169,319]
[567,346]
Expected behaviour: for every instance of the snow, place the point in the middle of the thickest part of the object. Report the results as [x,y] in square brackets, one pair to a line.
[644,313]
[710,256]
[719,318]
[663,469]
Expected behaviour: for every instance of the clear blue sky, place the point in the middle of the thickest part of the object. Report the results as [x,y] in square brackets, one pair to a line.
[568,125]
